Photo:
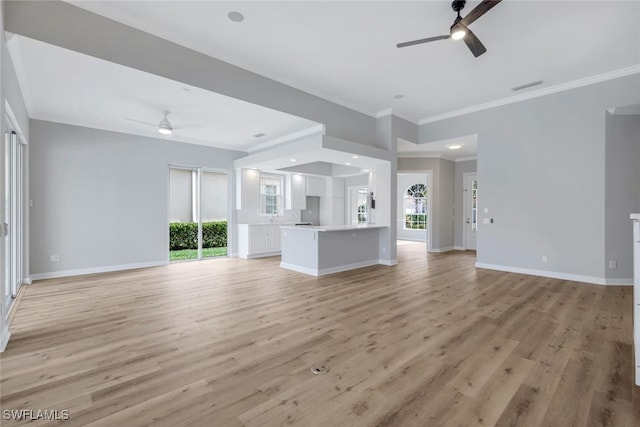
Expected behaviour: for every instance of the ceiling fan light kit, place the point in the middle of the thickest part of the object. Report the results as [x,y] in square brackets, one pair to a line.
[460,28]
[164,127]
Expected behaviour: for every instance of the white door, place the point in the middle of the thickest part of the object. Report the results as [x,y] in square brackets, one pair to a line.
[470,210]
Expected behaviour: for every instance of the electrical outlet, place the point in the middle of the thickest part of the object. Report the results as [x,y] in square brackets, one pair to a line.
[544,258]
[613,264]
[55,258]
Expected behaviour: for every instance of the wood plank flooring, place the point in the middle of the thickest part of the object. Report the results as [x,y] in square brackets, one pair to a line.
[231,342]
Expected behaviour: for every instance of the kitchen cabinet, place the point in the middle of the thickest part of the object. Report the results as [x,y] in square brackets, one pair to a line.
[316,186]
[296,192]
[258,240]
[248,185]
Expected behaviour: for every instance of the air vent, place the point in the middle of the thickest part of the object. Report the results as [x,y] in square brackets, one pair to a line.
[524,86]
[259,135]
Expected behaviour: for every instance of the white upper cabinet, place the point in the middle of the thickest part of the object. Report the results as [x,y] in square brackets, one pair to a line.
[296,192]
[316,186]
[248,185]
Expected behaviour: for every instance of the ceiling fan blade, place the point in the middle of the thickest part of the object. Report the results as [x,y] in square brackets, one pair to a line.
[140,121]
[478,11]
[474,44]
[430,39]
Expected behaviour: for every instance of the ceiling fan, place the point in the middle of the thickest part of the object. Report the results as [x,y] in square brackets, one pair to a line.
[164,127]
[460,28]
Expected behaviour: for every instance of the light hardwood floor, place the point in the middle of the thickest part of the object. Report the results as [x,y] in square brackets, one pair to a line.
[231,342]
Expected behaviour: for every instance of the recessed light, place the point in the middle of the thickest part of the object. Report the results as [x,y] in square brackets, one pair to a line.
[292,160]
[354,157]
[186,89]
[348,164]
[365,170]
[235,16]
[455,146]
[399,96]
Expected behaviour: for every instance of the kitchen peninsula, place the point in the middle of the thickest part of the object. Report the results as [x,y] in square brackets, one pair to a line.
[320,250]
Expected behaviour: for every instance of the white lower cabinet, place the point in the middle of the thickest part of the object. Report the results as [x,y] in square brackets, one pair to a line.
[258,240]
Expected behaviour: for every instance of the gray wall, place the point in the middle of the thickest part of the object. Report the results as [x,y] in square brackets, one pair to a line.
[536,160]
[442,226]
[458,194]
[100,199]
[622,195]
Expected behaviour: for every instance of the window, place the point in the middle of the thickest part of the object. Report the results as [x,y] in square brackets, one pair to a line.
[271,194]
[415,207]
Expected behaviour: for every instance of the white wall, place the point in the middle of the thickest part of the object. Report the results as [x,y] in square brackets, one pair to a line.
[541,169]
[101,199]
[461,168]
[406,180]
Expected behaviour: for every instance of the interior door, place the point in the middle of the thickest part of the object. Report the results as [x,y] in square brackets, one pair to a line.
[471,210]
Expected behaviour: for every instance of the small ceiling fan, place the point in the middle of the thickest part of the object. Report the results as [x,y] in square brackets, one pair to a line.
[460,28]
[164,127]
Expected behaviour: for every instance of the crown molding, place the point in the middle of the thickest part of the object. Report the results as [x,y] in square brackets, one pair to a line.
[466,159]
[623,72]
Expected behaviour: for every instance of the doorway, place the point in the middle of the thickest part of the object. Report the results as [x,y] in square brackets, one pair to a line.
[198,213]
[358,196]
[470,211]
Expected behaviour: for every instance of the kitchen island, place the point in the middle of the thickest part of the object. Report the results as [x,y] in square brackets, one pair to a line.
[320,250]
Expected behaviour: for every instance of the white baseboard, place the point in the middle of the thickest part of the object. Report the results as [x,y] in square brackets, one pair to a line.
[412,239]
[233,255]
[4,340]
[95,270]
[331,270]
[459,248]
[27,281]
[299,269]
[262,255]
[388,261]
[619,282]
[445,249]
[556,275]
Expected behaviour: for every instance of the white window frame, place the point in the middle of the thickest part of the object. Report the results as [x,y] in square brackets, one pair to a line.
[268,180]
[425,205]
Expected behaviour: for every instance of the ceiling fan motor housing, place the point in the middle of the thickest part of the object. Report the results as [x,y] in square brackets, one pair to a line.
[458,5]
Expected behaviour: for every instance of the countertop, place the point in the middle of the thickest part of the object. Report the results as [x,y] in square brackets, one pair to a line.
[332,227]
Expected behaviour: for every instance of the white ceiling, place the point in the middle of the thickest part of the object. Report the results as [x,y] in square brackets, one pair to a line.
[64,86]
[343,51]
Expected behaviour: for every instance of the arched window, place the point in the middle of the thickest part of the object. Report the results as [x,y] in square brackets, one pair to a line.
[415,207]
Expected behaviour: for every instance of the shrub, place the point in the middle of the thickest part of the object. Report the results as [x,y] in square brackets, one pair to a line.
[184,235]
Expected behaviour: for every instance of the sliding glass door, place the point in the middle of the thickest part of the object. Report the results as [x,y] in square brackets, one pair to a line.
[198,213]
[12,223]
